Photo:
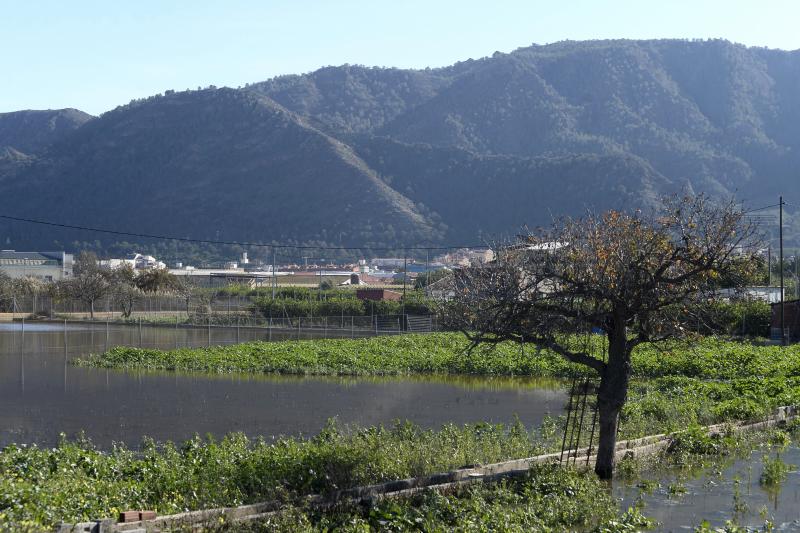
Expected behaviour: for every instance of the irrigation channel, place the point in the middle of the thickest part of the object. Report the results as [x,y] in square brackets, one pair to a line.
[42,394]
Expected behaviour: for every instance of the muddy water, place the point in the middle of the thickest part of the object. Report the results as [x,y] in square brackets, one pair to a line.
[43,395]
[727,492]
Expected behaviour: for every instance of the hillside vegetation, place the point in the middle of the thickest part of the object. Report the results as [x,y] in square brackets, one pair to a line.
[362,156]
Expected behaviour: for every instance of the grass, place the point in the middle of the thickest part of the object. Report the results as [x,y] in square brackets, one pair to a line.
[448,353]
[710,381]
[74,481]
[548,498]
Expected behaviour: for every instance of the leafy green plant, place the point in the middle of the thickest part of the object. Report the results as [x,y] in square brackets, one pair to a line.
[774,472]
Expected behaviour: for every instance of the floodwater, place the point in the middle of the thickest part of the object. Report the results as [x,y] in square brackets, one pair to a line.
[43,395]
[716,494]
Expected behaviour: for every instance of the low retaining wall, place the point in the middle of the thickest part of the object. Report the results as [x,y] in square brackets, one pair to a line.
[636,448]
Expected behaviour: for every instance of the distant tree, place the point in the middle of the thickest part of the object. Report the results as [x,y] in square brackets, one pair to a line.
[424,279]
[123,289]
[185,288]
[636,278]
[6,291]
[123,275]
[85,262]
[157,280]
[125,297]
[88,287]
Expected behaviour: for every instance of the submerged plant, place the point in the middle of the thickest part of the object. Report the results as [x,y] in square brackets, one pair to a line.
[774,472]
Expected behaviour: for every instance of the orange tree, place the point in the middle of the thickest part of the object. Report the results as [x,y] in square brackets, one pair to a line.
[637,278]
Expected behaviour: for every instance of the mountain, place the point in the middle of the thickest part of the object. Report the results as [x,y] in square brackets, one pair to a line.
[29,131]
[354,155]
[216,164]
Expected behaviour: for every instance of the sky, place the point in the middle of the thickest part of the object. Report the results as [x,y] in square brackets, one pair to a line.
[96,55]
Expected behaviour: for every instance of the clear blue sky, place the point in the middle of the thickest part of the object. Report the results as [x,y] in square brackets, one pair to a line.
[95,55]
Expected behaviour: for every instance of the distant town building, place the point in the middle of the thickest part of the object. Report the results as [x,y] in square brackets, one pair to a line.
[389,262]
[443,289]
[767,294]
[378,295]
[791,319]
[222,277]
[136,261]
[47,266]
[466,257]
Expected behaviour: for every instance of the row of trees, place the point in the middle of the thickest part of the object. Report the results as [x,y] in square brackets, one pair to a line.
[91,282]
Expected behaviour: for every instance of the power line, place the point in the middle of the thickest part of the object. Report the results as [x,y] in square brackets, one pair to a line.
[762,208]
[263,245]
[230,243]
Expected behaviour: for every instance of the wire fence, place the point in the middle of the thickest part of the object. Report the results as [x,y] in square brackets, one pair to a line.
[77,337]
[232,311]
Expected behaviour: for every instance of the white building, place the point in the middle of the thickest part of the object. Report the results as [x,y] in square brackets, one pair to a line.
[47,266]
[136,261]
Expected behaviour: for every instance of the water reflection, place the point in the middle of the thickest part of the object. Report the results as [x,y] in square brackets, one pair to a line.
[42,394]
[720,493]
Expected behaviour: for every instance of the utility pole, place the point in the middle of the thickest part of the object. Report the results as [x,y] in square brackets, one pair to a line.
[405,275]
[780,238]
[274,275]
[769,265]
[427,268]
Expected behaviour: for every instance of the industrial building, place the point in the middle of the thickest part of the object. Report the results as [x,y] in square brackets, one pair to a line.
[47,266]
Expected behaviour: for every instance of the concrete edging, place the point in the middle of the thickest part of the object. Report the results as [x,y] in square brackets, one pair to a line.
[636,448]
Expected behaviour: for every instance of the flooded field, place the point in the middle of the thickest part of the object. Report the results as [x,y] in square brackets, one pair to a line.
[730,491]
[43,395]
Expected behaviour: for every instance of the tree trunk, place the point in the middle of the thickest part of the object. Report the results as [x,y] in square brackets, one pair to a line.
[608,410]
[91,309]
[611,397]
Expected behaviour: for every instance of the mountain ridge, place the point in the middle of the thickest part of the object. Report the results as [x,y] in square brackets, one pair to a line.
[383,156]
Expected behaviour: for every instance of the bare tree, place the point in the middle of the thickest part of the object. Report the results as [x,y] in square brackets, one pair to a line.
[125,296]
[124,291]
[636,278]
[6,291]
[89,283]
[185,288]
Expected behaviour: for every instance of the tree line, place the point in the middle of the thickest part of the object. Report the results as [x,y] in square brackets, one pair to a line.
[91,282]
